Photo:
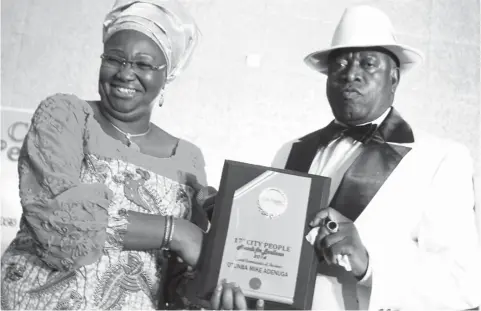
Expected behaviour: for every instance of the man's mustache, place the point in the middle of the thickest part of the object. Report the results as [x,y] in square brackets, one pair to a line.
[342,86]
[350,88]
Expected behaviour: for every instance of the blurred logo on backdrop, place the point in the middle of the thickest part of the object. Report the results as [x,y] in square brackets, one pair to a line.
[14,126]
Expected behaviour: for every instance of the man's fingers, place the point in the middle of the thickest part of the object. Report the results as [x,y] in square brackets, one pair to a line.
[322,233]
[337,217]
[215,299]
[328,257]
[344,261]
[317,221]
[331,239]
[260,304]
[326,240]
[338,253]
[328,212]
[341,248]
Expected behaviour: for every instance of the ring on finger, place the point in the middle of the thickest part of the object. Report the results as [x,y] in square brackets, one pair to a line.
[332,226]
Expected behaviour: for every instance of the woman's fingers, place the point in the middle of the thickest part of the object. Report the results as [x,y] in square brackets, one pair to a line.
[239,299]
[227,297]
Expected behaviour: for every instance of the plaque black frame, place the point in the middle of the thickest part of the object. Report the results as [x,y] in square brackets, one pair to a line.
[234,175]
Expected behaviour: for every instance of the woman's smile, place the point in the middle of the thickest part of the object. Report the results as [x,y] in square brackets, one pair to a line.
[123,92]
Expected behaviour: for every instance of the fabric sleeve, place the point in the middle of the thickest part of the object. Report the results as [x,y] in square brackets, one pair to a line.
[200,216]
[199,165]
[191,165]
[66,218]
[179,278]
[367,279]
[440,270]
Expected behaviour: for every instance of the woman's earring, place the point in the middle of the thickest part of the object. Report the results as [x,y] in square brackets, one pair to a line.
[161,97]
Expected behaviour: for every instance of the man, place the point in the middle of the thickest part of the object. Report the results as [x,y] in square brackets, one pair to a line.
[402,202]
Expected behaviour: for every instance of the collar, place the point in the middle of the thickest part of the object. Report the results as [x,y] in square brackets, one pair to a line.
[394,129]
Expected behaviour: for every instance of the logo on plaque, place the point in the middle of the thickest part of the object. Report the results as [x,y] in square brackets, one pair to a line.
[272,202]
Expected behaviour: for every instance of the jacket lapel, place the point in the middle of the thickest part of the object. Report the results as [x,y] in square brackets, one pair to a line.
[369,171]
[303,151]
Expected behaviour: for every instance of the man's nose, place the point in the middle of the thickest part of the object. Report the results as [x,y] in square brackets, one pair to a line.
[353,73]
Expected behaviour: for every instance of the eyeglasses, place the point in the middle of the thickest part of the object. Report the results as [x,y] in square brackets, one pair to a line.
[139,67]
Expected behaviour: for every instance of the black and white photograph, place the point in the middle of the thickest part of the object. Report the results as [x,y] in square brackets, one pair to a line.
[240,155]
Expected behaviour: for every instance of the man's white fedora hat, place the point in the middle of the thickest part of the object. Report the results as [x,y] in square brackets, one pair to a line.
[365,26]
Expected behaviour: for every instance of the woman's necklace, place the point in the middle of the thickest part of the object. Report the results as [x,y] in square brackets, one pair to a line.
[128,136]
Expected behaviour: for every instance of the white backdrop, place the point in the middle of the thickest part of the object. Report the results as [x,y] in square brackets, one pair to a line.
[14,125]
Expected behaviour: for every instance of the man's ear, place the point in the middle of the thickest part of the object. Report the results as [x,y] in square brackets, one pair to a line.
[395,77]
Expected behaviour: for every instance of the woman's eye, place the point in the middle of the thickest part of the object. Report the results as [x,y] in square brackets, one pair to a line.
[114,60]
[144,66]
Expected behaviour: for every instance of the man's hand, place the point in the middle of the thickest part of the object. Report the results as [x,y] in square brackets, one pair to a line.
[345,241]
[228,296]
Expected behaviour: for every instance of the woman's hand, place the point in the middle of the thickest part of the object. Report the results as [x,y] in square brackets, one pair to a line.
[229,296]
[187,241]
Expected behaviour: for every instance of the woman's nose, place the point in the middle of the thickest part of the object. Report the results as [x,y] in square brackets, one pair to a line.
[126,71]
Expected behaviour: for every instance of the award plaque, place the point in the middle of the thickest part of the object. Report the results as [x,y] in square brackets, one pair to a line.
[257,235]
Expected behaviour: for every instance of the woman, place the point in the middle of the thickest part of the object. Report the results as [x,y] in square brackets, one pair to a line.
[104,191]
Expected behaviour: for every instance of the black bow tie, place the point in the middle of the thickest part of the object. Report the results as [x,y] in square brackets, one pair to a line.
[363,133]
